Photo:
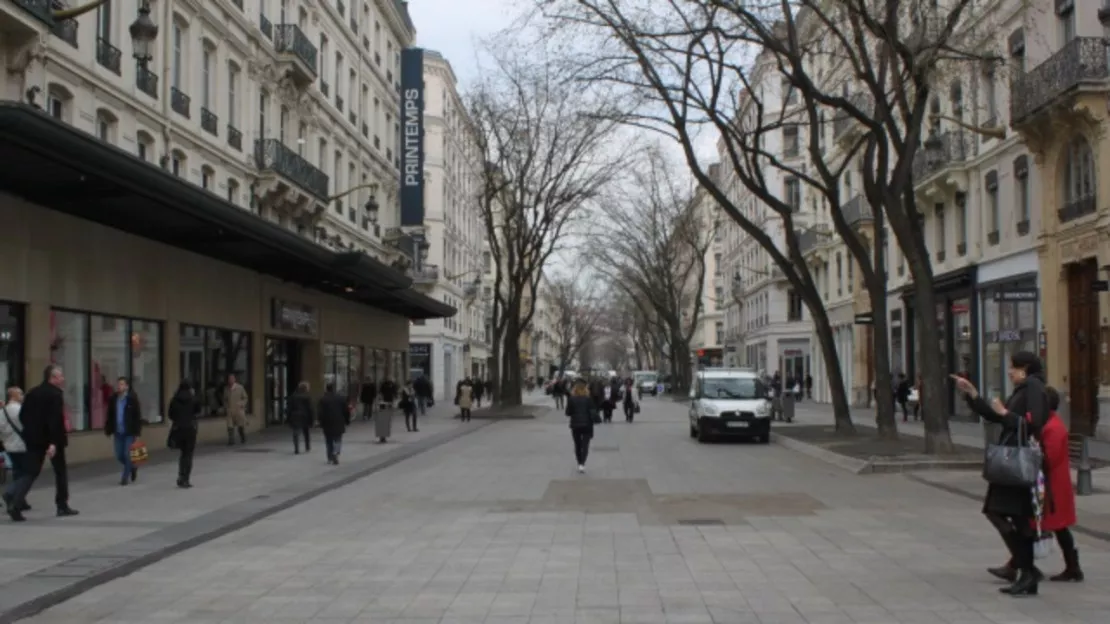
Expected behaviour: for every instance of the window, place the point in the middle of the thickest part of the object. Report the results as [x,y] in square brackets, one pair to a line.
[839,275]
[177,163]
[233,191]
[720,331]
[343,367]
[993,211]
[206,78]
[1022,191]
[104,22]
[322,155]
[178,55]
[144,143]
[718,298]
[263,106]
[791,144]
[1079,173]
[208,355]
[851,274]
[940,234]
[794,306]
[283,121]
[1065,14]
[792,193]
[232,94]
[58,99]
[206,177]
[961,224]
[94,351]
[990,95]
[105,126]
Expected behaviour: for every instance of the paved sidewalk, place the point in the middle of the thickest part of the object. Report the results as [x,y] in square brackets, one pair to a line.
[497,527]
[118,524]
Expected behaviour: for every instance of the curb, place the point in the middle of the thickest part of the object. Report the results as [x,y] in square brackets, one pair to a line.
[872,466]
[958,491]
[58,583]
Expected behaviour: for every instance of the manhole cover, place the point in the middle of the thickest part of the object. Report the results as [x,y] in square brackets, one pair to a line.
[605,449]
[254,450]
[702,522]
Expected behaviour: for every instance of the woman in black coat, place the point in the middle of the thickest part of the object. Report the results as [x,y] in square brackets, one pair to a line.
[582,411]
[301,417]
[183,411]
[1010,508]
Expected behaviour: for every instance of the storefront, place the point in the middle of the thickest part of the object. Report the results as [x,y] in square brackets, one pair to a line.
[115,268]
[420,358]
[841,319]
[794,359]
[957,319]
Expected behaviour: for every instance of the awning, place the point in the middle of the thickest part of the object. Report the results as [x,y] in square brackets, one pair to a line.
[55,165]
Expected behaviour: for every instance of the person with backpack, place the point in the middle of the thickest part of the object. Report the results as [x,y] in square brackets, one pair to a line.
[11,435]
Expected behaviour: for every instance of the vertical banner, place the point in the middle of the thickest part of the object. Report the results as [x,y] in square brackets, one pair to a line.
[412,137]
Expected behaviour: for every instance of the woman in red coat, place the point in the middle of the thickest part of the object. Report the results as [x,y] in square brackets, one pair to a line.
[1059,512]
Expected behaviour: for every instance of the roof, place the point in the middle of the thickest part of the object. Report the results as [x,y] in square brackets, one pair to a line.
[55,165]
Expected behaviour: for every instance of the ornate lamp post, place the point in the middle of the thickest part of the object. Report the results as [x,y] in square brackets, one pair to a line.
[143,34]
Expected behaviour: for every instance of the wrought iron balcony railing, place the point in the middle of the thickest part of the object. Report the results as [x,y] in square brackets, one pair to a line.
[857,211]
[842,122]
[266,26]
[1082,60]
[955,147]
[108,55]
[353,118]
[325,88]
[428,274]
[234,137]
[810,239]
[290,39]
[273,155]
[40,9]
[66,30]
[339,103]
[1077,209]
[365,130]
[180,102]
[209,122]
[354,25]
[147,82]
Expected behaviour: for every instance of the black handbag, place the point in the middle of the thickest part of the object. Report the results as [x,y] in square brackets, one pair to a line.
[171,439]
[1013,466]
[636,409]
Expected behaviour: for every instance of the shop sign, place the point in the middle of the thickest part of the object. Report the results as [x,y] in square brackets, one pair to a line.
[1027,294]
[294,317]
[865,319]
[420,349]
[791,352]
[1005,335]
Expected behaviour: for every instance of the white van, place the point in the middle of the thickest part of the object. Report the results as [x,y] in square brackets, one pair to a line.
[729,403]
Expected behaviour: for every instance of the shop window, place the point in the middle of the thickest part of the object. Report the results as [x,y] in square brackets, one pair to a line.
[11,345]
[207,356]
[96,350]
[343,367]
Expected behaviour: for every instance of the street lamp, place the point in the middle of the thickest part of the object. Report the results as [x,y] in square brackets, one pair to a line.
[422,249]
[143,34]
[934,149]
[372,210]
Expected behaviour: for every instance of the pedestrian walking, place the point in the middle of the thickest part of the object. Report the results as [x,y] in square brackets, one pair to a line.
[583,414]
[408,406]
[11,436]
[235,410]
[301,416]
[809,387]
[334,415]
[558,392]
[424,391]
[630,405]
[124,425]
[43,423]
[1010,508]
[465,399]
[367,395]
[183,410]
[388,392]
[479,390]
[902,395]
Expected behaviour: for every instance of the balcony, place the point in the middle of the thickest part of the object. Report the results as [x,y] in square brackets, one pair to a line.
[266,26]
[147,82]
[365,130]
[42,10]
[426,275]
[66,30]
[179,102]
[234,137]
[108,55]
[1077,209]
[812,238]
[297,52]
[209,122]
[955,147]
[1082,62]
[857,211]
[289,169]
[325,88]
[354,25]
[339,103]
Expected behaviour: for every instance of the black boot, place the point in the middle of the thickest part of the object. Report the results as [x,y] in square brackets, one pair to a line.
[1025,585]
[1006,572]
[1072,572]
[242,435]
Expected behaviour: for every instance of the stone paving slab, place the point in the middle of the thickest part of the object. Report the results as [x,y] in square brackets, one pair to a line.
[430,540]
[47,559]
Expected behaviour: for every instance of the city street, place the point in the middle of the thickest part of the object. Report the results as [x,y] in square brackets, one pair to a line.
[497,527]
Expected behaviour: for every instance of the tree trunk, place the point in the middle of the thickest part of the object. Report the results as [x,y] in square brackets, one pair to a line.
[934,393]
[510,389]
[842,413]
[885,420]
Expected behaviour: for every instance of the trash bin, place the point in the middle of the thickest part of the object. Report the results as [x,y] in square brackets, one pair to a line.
[788,406]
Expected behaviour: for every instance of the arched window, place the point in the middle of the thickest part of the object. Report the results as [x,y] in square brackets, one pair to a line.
[233,191]
[106,123]
[1078,194]
[144,145]
[207,177]
[58,101]
[178,163]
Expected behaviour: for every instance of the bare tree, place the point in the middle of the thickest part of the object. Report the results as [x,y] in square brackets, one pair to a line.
[576,311]
[693,60]
[546,160]
[656,254]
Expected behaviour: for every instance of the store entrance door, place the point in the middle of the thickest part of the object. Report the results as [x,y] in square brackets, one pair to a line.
[283,373]
[1083,334]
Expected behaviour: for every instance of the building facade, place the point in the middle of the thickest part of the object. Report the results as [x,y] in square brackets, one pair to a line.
[708,342]
[205,212]
[453,348]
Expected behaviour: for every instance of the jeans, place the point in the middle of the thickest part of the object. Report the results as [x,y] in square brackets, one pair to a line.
[19,471]
[558,401]
[122,443]
[582,437]
[629,411]
[299,432]
[25,469]
[333,444]
[367,414]
[410,417]
[465,414]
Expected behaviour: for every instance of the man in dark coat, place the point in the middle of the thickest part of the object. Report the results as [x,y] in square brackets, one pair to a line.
[422,387]
[44,432]
[479,389]
[124,425]
[367,395]
[333,415]
[301,417]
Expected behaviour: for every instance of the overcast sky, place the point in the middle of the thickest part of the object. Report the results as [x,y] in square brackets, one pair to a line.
[452,28]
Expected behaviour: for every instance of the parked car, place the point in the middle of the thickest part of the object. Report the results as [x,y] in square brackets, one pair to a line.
[729,403]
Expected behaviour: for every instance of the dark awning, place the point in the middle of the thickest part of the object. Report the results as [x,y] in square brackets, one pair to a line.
[56,165]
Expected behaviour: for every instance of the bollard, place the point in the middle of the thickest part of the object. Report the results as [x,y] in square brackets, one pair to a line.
[1083,486]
